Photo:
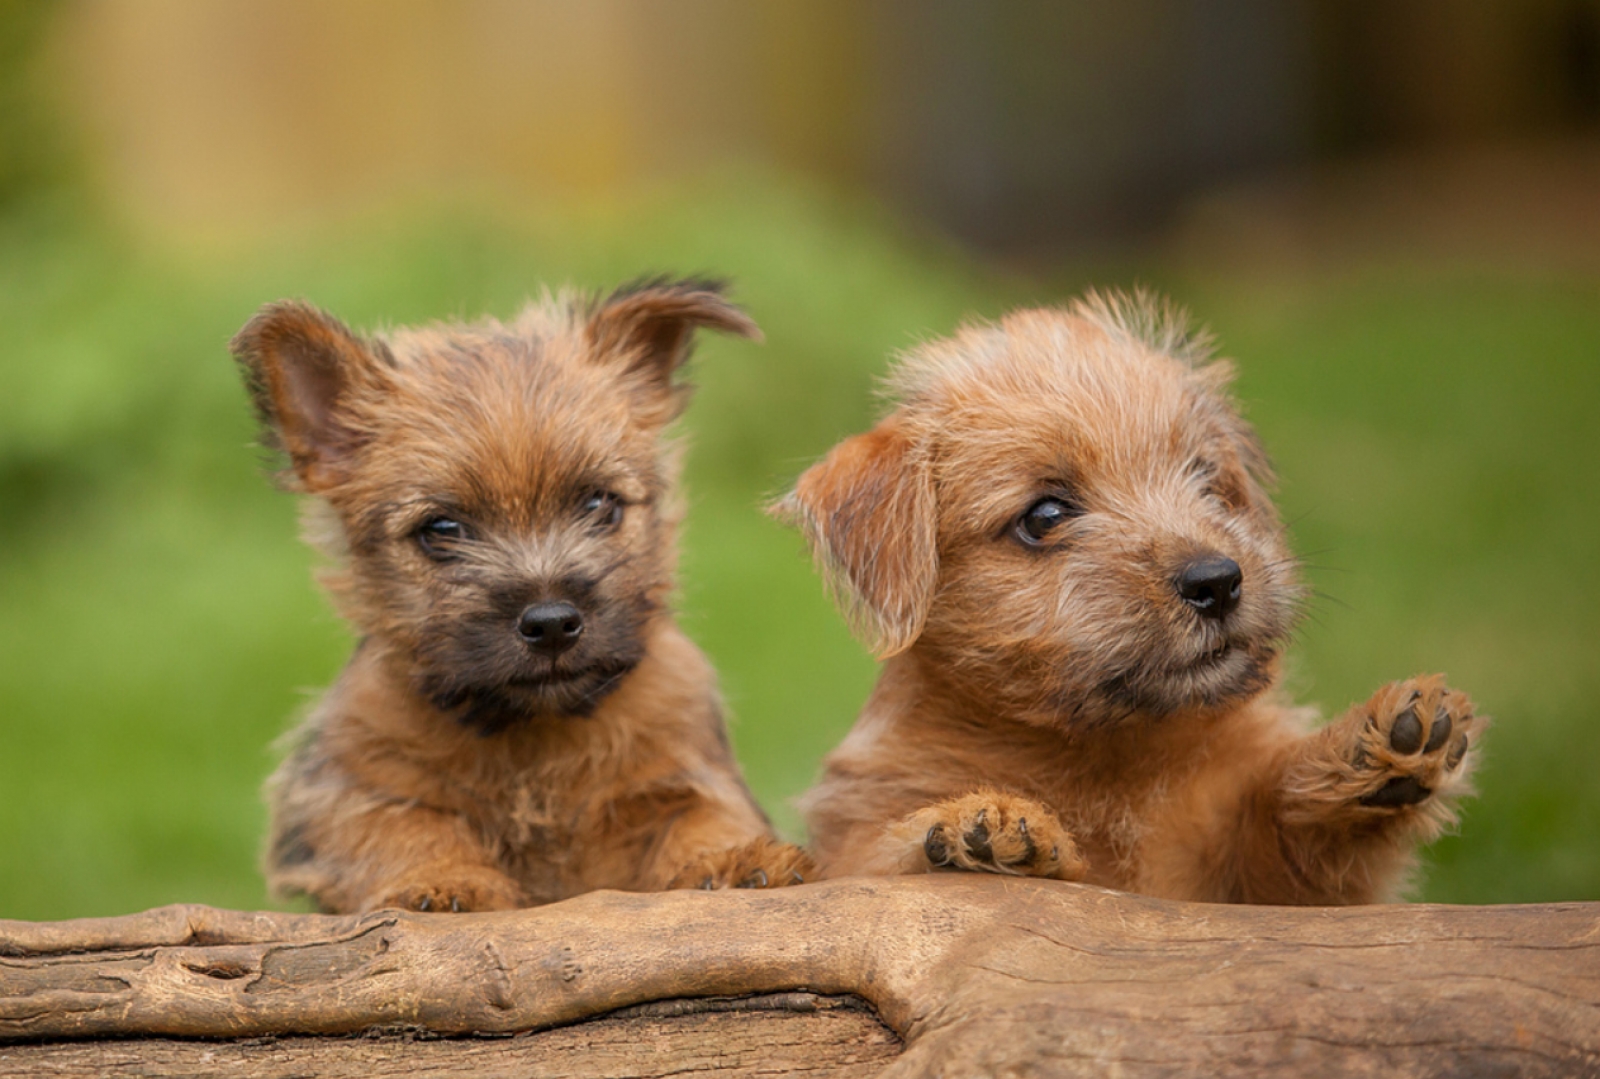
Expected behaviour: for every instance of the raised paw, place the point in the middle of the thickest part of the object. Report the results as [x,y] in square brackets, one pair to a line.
[760,863]
[993,832]
[1415,743]
[457,891]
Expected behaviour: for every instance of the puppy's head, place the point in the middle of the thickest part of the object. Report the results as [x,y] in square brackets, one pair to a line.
[496,498]
[1065,516]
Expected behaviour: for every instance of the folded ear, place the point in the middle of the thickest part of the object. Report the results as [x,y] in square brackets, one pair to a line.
[1245,472]
[305,371]
[648,326]
[867,509]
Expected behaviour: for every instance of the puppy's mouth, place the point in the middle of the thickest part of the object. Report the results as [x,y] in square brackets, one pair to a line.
[553,677]
[572,690]
[1208,660]
[1227,671]
[492,707]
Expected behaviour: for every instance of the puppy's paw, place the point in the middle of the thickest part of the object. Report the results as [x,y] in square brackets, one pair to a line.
[990,832]
[1415,744]
[454,890]
[760,863]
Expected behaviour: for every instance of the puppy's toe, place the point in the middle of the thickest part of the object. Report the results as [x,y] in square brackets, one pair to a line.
[994,832]
[458,891]
[761,863]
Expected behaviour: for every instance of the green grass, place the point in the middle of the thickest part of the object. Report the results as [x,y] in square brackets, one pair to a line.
[158,624]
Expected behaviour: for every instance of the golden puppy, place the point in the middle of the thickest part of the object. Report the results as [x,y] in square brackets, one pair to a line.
[1060,540]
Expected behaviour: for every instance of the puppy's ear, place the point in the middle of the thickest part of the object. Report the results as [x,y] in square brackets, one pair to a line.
[1253,458]
[868,512]
[1247,478]
[648,327]
[305,371]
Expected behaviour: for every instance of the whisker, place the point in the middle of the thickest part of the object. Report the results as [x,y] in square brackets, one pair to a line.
[1319,594]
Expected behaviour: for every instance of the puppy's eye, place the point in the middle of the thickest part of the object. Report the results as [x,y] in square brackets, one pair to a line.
[1205,472]
[603,510]
[439,538]
[1217,484]
[1044,517]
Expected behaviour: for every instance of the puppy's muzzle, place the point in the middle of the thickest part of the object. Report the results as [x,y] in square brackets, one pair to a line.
[1211,585]
[550,628]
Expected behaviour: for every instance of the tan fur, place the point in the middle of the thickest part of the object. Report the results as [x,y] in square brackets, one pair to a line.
[1063,681]
[454,765]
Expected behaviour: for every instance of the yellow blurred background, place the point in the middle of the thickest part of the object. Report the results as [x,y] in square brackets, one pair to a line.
[1028,125]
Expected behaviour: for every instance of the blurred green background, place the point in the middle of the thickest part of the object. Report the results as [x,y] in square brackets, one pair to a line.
[1410,285]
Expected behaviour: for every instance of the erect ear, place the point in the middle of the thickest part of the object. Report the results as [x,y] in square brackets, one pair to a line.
[305,370]
[649,325]
[867,509]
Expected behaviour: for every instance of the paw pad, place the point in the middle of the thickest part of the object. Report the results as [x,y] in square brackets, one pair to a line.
[1406,735]
[1442,726]
[1417,735]
[1398,791]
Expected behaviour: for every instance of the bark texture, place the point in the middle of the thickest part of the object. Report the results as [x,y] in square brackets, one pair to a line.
[978,975]
[787,1034]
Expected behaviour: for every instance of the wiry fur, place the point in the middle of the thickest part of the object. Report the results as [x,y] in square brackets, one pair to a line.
[1068,685]
[453,766]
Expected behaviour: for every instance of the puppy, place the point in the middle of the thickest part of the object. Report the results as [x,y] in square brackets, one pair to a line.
[1061,542]
[522,719]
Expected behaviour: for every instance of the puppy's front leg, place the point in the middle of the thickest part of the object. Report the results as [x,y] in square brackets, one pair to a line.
[379,855]
[987,831]
[1355,798]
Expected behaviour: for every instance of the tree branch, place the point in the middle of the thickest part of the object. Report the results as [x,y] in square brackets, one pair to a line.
[977,974]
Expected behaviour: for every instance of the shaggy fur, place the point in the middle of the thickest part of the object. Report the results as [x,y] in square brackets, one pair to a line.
[1061,542]
[461,477]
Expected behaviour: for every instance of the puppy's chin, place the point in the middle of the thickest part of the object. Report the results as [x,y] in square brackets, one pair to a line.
[492,707]
[1227,674]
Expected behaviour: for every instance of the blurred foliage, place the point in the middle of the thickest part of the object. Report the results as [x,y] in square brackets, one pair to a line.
[158,625]
[33,146]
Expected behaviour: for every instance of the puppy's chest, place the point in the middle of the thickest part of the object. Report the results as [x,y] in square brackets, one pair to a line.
[1122,818]
[1110,829]
[559,813]
[534,817]
[1166,837]
[532,804]
[534,826]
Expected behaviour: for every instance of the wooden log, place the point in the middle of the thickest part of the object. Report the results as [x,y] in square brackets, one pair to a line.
[790,1033]
[978,976]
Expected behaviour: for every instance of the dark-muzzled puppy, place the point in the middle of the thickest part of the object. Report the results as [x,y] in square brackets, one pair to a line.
[523,719]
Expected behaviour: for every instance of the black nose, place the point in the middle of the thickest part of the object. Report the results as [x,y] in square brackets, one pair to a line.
[1211,585]
[551,628]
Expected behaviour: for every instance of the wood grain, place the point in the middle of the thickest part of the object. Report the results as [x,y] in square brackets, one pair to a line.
[788,1034]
